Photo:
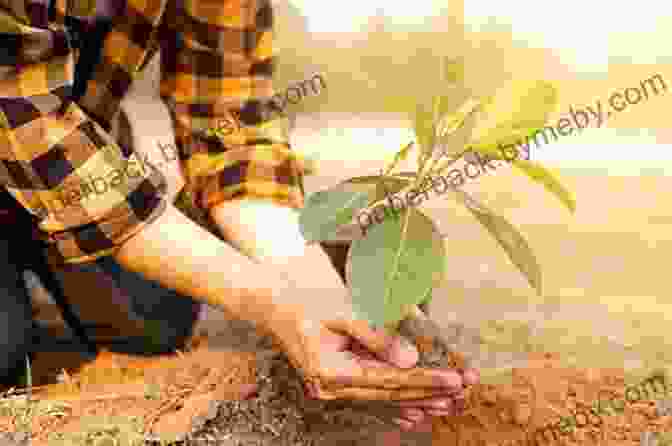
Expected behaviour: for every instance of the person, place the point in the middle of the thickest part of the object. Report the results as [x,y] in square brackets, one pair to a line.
[60,162]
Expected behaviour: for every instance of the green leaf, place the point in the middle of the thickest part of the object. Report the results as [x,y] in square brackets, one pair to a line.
[508,237]
[392,184]
[518,106]
[544,176]
[325,211]
[428,298]
[396,264]
[423,125]
[369,179]
[449,123]
[536,172]
[401,155]
[426,122]
[492,148]
[404,177]
[452,133]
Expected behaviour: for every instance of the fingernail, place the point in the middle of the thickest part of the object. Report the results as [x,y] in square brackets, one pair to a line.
[440,413]
[414,415]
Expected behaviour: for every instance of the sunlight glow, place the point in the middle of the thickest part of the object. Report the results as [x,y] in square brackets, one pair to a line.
[585,34]
[351,15]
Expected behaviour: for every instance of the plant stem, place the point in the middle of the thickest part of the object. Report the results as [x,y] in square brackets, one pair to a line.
[392,328]
[449,162]
[407,311]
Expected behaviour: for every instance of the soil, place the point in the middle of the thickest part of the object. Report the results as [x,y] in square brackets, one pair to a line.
[280,414]
[231,387]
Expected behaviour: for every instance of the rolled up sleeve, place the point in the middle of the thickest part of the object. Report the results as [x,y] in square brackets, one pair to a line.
[217,74]
[88,193]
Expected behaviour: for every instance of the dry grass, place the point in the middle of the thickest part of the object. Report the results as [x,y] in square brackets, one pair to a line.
[103,431]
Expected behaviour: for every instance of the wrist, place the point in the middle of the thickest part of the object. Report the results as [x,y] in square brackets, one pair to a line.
[271,303]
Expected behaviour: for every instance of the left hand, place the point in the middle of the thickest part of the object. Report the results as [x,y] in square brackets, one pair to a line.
[341,357]
[400,354]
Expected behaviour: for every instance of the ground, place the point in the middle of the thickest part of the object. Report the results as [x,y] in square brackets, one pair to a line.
[212,389]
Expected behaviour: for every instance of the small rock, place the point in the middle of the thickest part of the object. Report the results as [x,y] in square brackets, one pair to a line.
[213,408]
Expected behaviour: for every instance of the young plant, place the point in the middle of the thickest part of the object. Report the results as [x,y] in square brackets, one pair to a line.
[394,266]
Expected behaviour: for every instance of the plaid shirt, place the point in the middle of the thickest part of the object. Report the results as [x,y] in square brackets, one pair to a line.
[57,156]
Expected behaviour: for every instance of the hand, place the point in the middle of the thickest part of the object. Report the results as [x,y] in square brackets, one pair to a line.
[344,358]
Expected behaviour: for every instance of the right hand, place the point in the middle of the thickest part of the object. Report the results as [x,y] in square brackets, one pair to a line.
[341,357]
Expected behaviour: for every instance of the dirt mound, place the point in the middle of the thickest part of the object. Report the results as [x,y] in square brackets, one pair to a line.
[547,404]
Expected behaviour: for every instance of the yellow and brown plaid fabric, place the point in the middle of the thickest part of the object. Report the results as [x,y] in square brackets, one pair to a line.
[56,155]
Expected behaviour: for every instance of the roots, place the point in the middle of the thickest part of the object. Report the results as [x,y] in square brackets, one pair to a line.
[435,351]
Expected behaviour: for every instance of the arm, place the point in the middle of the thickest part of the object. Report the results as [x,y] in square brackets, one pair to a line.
[181,255]
[270,234]
[90,195]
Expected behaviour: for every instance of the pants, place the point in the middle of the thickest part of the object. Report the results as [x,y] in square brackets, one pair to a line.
[15,315]
[133,314]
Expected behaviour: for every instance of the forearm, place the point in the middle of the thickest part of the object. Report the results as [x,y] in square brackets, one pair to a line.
[270,234]
[181,255]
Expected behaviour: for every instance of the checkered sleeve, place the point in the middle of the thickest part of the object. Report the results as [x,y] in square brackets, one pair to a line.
[89,194]
[217,68]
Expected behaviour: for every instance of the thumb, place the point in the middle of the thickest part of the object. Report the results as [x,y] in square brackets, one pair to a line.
[394,349]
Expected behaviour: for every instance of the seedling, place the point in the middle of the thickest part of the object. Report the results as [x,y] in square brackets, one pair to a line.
[394,265]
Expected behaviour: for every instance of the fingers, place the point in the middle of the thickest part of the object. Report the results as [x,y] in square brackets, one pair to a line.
[424,425]
[471,377]
[413,415]
[373,394]
[441,413]
[385,346]
[429,403]
[440,407]
[430,382]
[439,404]
[404,424]
[387,374]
